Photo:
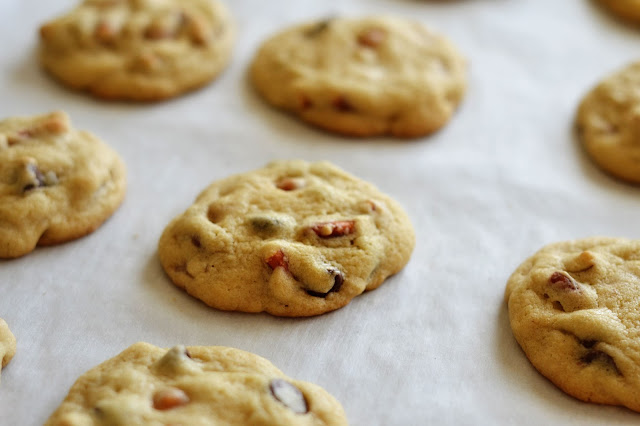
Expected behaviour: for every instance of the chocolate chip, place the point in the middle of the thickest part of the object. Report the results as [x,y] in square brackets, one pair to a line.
[342,105]
[601,358]
[562,282]
[38,180]
[558,306]
[264,224]
[215,213]
[318,29]
[289,395]
[305,102]
[337,283]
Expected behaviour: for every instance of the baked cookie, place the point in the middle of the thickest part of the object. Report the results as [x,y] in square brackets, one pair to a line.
[628,10]
[362,77]
[291,239]
[198,385]
[142,50]
[7,344]
[56,183]
[573,308]
[608,123]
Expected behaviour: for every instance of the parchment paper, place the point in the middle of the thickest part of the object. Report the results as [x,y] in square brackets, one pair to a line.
[432,345]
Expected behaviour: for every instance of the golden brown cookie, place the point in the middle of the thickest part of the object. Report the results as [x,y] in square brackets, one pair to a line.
[56,183]
[291,239]
[608,123]
[574,311]
[362,77]
[142,50]
[195,386]
[628,10]
[7,344]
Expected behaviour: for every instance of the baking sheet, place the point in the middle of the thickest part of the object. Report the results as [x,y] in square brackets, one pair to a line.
[433,344]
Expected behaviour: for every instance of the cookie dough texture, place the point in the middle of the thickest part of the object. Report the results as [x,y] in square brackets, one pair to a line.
[56,183]
[608,123]
[362,77]
[142,50]
[198,385]
[291,239]
[7,344]
[574,311]
[628,10]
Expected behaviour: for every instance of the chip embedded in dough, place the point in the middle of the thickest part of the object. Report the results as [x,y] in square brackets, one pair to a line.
[291,239]
[608,123]
[142,50]
[56,183]
[629,10]
[7,344]
[195,386]
[574,311]
[362,77]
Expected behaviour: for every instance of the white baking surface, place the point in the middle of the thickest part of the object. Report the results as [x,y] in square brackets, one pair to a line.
[433,344]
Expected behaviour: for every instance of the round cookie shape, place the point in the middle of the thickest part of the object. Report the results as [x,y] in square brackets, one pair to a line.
[56,183]
[7,344]
[141,50]
[291,239]
[628,10]
[196,386]
[608,123]
[362,77]
[573,308]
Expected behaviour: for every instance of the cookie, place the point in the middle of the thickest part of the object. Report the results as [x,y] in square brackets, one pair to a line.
[291,239]
[198,385]
[362,77]
[143,50]
[628,10]
[573,308]
[7,344]
[56,183]
[608,123]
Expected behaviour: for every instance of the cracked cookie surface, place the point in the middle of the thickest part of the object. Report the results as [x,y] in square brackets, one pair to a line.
[608,123]
[56,183]
[197,385]
[628,10]
[362,77]
[573,308]
[291,239]
[141,50]
[7,344]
